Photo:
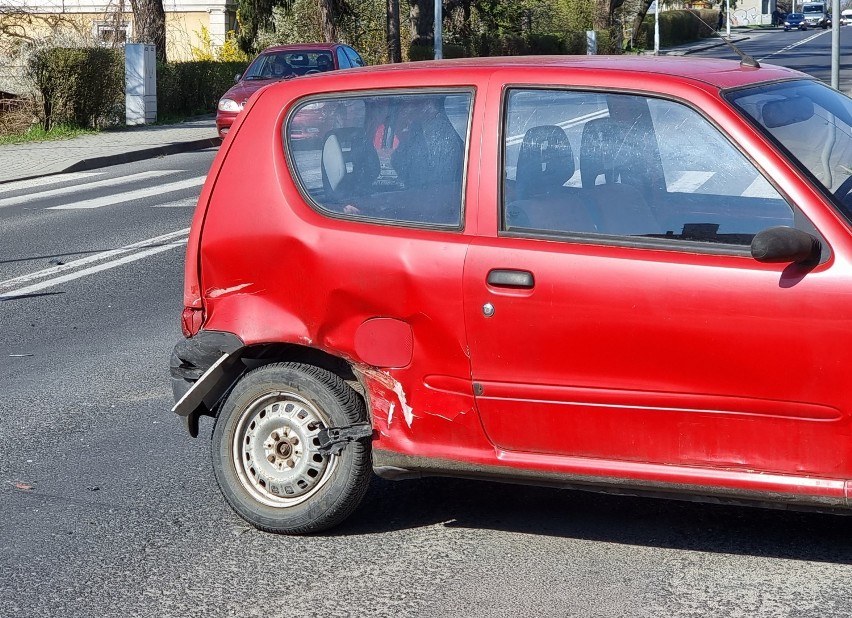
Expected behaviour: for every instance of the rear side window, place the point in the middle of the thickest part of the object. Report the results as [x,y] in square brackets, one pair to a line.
[395,158]
[629,166]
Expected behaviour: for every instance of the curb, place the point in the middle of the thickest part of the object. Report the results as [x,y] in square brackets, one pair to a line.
[139,155]
[127,157]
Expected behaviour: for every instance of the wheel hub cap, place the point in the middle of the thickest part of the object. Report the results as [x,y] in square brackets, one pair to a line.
[275,450]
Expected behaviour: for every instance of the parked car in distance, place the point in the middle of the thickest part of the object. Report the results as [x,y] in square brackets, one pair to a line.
[795,20]
[621,274]
[284,62]
[845,17]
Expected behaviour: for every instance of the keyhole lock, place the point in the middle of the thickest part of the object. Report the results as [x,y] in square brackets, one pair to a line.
[487,310]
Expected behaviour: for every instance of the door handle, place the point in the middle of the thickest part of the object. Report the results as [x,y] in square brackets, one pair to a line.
[509,278]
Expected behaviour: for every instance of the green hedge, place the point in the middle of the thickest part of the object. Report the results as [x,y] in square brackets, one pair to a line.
[83,87]
[192,88]
[676,27]
[516,45]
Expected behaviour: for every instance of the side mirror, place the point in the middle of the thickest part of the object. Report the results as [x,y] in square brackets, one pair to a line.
[785,244]
[237,77]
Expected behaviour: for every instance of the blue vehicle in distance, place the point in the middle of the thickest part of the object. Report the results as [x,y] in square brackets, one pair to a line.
[795,20]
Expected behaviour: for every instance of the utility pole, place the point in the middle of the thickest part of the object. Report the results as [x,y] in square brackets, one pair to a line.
[835,44]
[439,19]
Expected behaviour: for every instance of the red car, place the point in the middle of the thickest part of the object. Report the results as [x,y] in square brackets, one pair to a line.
[626,274]
[285,62]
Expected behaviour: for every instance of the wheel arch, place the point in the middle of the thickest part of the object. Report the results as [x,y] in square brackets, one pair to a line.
[246,358]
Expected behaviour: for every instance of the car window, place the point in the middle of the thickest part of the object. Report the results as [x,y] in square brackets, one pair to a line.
[813,122]
[627,165]
[343,59]
[386,157]
[354,58]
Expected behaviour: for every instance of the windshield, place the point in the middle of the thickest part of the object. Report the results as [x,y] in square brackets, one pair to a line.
[287,64]
[812,122]
[812,8]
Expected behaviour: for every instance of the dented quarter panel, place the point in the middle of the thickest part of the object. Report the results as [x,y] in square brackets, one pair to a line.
[321,298]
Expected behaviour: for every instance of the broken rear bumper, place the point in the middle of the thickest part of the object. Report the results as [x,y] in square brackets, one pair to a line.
[202,370]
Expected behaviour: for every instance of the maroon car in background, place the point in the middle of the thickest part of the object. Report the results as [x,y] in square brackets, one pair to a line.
[285,62]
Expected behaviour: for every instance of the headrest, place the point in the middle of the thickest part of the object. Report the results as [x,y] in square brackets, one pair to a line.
[596,157]
[545,161]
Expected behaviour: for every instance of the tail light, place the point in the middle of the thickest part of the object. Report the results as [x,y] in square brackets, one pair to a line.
[191,320]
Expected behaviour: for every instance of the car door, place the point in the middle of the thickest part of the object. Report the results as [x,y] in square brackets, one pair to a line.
[616,312]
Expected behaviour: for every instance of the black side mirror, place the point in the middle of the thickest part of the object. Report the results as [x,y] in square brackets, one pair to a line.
[785,244]
[237,77]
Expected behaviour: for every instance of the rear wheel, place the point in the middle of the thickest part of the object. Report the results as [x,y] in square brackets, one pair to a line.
[266,453]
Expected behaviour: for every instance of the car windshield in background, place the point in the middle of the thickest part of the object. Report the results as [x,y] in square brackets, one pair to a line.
[813,123]
[289,64]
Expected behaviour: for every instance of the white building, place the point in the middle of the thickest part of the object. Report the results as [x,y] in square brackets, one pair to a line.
[111,21]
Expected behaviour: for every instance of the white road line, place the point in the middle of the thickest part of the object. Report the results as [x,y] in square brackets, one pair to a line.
[149,247]
[689,181]
[517,139]
[760,187]
[19,185]
[109,200]
[189,202]
[789,47]
[89,259]
[108,182]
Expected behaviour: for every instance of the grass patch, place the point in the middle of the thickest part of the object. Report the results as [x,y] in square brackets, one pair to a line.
[38,134]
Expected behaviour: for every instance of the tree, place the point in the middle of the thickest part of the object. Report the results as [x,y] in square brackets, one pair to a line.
[149,23]
[256,15]
[392,32]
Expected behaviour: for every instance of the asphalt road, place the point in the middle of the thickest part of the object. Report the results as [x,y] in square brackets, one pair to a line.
[108,508]
[808,51]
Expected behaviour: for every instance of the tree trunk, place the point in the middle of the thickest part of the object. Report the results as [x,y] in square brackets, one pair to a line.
[640,17]
[149,24]
[329,28]
[422,18]
[392,31]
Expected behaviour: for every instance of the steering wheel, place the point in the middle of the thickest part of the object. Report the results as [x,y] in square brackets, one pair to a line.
[311,71]
[843,190]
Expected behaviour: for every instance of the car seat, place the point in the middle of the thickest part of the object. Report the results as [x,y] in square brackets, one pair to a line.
[545,163]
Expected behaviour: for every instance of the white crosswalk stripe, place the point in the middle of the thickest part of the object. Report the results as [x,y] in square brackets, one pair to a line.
[119,198]
[18,185]
[97,184]
[91,264]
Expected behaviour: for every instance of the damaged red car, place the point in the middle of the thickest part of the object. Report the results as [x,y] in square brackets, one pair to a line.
[621,274]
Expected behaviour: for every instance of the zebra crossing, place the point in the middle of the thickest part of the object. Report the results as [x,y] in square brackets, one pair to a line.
[87,192]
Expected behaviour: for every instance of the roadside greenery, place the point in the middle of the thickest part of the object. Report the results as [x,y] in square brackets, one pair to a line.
[83,86]
[38,134]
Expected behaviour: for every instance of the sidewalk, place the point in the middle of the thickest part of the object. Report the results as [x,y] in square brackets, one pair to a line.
[21,161]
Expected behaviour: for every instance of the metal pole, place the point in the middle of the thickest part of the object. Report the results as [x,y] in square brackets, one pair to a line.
[835,44]
[656,27]
[439,18]
[728,18]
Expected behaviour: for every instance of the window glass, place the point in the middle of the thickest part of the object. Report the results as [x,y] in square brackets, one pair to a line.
[388,157]
[625,165]
[343,59]
[354,58]
[813,123]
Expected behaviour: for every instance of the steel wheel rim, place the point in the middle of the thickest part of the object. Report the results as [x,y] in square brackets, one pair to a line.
[275,450]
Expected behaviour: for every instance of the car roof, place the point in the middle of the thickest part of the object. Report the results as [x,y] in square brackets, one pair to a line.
[302,47]
[713,71]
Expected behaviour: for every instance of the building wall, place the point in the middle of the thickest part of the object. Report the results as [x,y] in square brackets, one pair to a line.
[103,21]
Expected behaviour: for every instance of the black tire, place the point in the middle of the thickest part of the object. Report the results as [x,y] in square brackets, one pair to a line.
[264,455]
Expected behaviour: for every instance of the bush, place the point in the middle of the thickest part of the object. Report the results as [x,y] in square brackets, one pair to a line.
[192,88]
[681,26]
[82,86]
